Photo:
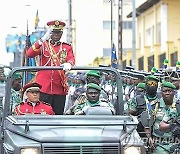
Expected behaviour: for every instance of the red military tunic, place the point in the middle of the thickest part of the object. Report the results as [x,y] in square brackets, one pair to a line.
[28,108]
[50,79]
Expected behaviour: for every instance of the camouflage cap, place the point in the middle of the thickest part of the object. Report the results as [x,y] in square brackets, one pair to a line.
[94,86]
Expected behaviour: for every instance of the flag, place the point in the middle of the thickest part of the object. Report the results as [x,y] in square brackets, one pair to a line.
[114,63]
[36,20]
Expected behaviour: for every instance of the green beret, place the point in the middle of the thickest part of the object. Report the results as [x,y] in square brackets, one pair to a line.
[166,61]
[16,76]
[178,64]
[93,73]
[168,84]
[154,70]
[141,85]
[94,86]
[152,77]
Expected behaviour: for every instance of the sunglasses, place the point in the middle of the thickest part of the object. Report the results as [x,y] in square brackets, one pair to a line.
[151,83]
[57,32]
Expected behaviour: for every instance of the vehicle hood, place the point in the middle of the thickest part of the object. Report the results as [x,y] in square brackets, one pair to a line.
[68,129]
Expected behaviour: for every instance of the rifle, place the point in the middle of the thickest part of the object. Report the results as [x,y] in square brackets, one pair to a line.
[147,120]
[175,127]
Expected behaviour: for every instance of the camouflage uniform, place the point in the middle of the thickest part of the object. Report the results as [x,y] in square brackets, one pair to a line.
[170,114]
[161,138]
[15,99]
[87,103]
[139,105]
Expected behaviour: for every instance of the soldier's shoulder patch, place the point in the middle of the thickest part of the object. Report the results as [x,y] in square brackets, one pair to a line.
[46,103]
[67,43]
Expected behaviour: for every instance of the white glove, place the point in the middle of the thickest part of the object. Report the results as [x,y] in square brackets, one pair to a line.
[46,35]
[66,66]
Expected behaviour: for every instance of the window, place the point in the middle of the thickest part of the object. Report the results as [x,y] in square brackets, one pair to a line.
[141,63]
[148,37]
[106,52]
[127,24]
[174,59]
[107,25]
[161,60]
[150,63]
[158,33]
[152,36]
[124,64]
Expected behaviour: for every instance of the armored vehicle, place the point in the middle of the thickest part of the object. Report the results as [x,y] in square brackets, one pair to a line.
[97,133]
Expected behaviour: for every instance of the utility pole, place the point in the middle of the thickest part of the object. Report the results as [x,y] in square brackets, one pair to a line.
[120,22]
[69,30]
[133,34]
[111,25]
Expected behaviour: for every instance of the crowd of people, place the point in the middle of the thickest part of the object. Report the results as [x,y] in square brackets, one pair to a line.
[153,97]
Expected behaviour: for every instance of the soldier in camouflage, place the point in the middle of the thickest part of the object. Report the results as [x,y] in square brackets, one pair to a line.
[162,140]
[15,90]
[147,102]
[92,76]
[92,95]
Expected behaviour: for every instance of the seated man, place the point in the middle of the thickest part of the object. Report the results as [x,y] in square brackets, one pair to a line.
[32,105]
[15,90]
[92,76]
[92,101]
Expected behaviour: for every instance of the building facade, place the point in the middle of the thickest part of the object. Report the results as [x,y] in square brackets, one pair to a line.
[157,35]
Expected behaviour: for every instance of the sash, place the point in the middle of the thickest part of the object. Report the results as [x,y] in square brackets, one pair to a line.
[56,62]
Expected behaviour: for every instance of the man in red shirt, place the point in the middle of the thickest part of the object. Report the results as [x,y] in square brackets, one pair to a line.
[32,105]
[53,52]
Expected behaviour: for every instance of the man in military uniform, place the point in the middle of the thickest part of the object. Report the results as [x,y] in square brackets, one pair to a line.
[32,104]
[161,140]
[140,90]
[138,104]
[92,76]
[15,90]
[53,52]
[176,81]
[92,95]
[148,102]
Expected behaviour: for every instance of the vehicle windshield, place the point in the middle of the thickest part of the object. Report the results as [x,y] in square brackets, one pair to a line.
[90,92]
